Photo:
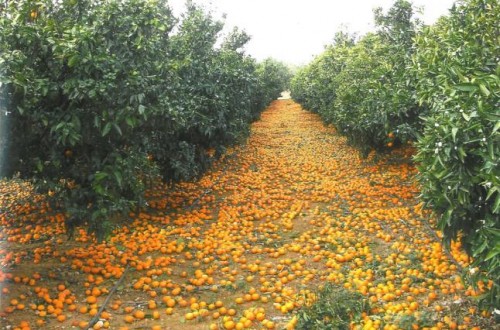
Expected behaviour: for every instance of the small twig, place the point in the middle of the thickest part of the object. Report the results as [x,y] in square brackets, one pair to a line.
[95,319]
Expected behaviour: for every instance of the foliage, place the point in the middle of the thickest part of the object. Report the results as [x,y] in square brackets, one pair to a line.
[459,79]
[78,97]
[313,86]
[334,308]
[100,96]
[274,77]
[376,91]
[363,87]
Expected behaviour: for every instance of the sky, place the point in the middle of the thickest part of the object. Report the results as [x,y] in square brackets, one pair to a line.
[294,31]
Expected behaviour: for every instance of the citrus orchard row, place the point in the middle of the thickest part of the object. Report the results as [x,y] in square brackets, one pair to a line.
[160,95]
[245,247]
[438,85]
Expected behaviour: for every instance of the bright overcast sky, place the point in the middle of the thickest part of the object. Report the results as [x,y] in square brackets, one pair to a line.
[294,31]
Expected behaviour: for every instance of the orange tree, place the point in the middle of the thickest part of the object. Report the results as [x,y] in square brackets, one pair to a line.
[314,86]
[363,87]
[79,82]
[447,74]
[274,76]
[459,79]
[100,95]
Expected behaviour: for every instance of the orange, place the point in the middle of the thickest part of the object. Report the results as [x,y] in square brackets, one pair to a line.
[139,314]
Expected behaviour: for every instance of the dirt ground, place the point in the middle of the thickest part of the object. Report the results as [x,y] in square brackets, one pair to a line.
[246,246]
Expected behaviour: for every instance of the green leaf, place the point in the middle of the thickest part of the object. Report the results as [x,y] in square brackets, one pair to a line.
[117,128]
[130,121]
[441,174]
[100,176]
[480,249]
[464,87]
[491,191]
[496,205]
[495,129]
[461,153]
[484,90]
[99,189]
[492,254]
[454,131]
[72,61]
[106,129]
[118,177]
